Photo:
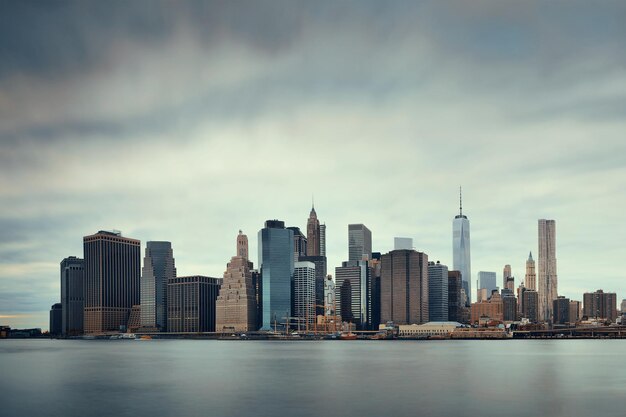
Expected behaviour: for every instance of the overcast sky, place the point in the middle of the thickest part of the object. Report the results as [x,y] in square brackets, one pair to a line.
[187,121]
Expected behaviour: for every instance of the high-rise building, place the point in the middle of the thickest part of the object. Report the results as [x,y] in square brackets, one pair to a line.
[487,280]
[520,299]
[487,310]
[72,296]
[304,293]
[510,284]
[546,276]
[509,307]
[560,308]
[506,273]
[461,250]
[236,306]
[329,296]
[313,234]
[376,269]
[455,284]
[191,303]
[276,267]
[359,242]
[437,292]
[600,304]
[158,268]
[353,293]
[56,319]
[320,278]
[323,240]
[112,280]
[530,280]
[623,306]
[574,311]
[300,243]
[404,287]
[400,243]
[531,305]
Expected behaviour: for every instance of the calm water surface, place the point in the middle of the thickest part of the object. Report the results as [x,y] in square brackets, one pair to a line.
[328,378]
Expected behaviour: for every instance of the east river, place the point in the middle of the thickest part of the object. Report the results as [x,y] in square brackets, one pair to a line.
[87,378]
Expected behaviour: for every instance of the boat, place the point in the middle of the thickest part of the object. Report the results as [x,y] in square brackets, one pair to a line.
[127,336]
[348,336]
[144,337]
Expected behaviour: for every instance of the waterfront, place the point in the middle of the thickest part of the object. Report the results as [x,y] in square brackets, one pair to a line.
[317,378]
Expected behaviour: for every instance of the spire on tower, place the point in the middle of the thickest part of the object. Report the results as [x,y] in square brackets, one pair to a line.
[460,201]
[530,256]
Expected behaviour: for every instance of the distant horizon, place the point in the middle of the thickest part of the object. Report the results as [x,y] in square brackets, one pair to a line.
[188,122]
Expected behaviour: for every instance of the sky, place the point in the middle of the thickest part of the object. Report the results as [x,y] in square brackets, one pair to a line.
[187,121]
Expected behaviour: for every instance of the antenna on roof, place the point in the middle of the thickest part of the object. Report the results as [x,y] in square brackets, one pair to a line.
[460,201]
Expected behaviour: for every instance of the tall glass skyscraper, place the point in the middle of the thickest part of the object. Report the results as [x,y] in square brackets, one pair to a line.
[487,280]
[359,242]
[437,292]
[546,274]
[276,266]
[461,259]
[158,267]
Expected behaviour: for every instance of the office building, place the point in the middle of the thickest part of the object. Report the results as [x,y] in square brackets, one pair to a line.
[437,292]
[353,293]
[323,240]
[623,306]
[300,243]
[486,311]
[191,304]
[304,294]
[506,273]
[482,294]
[236,305]
[600,305]
[158,268]
[510,284]
[320,278]
[531,305]
[72,296]
[520,299]
[313,234]
[112,280]
[56,319]
[530,280]
[404,287]
[546,276]
[560,308]
[487,280]
[509,307]
[400,243]
[329,296]
[359,243]
[455,284]
[574,311]
[375,271]
[461,250]
[276,263]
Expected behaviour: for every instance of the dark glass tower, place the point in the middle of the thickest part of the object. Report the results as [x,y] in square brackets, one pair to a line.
[72,295]
[276,266]
[158,267]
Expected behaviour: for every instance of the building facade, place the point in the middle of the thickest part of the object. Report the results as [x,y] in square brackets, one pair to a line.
[530,280]
[56,319]
[112,280]
[300,243]
[437,292]
[320,277]
[509,308]
[304,294]
[547,287]
[487,310]
[236,305]
[574,311]
[359,242]
[404,287]
[353,293]
[560,308]
[276,263]
[487,280]
[531,305]
[455,283]
[313,234]
[72,296]
[158,269]
[461,253]
[506,273]
[600,305]
[402,243]
[191,304]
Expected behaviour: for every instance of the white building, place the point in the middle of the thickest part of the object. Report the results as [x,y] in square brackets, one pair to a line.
[304,292]
[461,260]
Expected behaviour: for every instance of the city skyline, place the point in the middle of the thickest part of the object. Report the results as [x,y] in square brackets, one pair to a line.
[170,126]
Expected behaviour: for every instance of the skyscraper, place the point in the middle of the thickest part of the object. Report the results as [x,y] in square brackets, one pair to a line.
[359,242]
[531,305]
[158,268]
[276,267]
[112,276]
[323,240]
[304,293]
[313,234]
[300,243]
[437,292]
[72,296]
[56,312]
[506,273]
[600,304]
[560,308]
[402,243]
[530,280]
[487,280]
[236,306]
[404,287]
[353,292]
[191,303]
[461,249]
[546,277]
[455,284]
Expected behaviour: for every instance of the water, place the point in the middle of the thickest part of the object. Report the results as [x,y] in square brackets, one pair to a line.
[327,378]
